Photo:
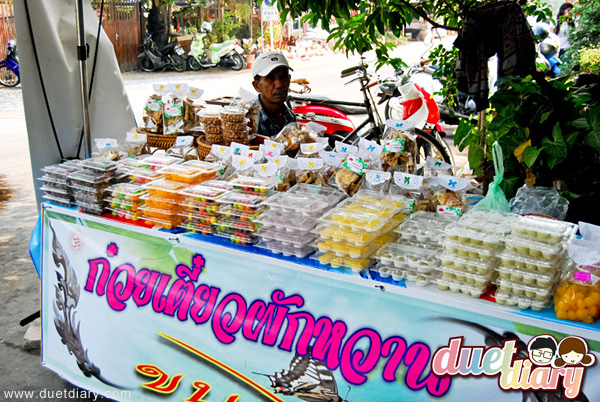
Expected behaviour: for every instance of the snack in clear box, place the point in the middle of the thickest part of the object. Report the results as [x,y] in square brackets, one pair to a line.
[99,165]
[233,115]
[243,213]
[219,184]
[197,227]
[241,125]
[91,208]
[467,264]
[60,171]
[542,229]
[214,138]
[204,193]
[518,288]
[202,217]
[153,114]
[418,231]
[169,223]
[126,191]
[360,215]
[468,277]
[345,249]
[125,214]
[401,256]
[57,192]
[88,180]
[577,297]
[523,302]
[235,135]
[399,149]
[166,189]
[237,224]
[510,259]
[154,201]
[344,234]
[52,182]
[306,199]
[213,129]
[243,201]
[289,222]
[257,185]
[329,258]
[142,175]
[62,201]
[236,236]
[482,253]
[456,286]
[296,239]
[461,234]
[157,162]
[209,117]
[528,277]
[536,250]
[188,174]
[125,205]
[277,247]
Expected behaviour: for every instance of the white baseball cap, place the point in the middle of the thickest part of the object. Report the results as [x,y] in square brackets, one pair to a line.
[267,62]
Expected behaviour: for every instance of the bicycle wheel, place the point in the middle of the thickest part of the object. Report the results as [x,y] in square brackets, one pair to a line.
[429,145]
[8,78]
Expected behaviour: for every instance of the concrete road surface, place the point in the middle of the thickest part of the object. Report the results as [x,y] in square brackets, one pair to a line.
[20,369]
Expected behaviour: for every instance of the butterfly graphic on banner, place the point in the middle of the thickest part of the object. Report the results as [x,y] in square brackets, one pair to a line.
[307,379]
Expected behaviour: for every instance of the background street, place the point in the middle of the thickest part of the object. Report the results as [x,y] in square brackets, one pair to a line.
[20,367]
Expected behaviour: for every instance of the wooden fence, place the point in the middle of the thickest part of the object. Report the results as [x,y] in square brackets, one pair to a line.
[7,26]
[122,24]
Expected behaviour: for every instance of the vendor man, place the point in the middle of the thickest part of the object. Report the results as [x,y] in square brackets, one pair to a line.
[271,73]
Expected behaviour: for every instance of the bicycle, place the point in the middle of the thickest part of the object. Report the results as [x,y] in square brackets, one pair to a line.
[333,115]
[9,67]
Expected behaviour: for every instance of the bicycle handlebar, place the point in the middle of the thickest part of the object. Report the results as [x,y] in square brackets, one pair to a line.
[349,71]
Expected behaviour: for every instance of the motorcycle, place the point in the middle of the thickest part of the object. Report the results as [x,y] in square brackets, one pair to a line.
[10,75]
[228,54]
[548,47]
[152,58]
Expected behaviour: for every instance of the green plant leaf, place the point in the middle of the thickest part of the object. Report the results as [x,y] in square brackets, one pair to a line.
[593,137]
[530,155]
[465,135]
[509,185]
[558,147]
[475,157]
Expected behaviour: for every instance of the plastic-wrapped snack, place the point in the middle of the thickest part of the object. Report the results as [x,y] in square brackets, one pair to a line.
[233,115]
[293,135]
[332,162]
[249,101]
[370,151]
[310,150]
[412,187]
[184,148]
[348,176]
[135,144]
[153,115]
[107,149]
[172,115]
[241,165]
[285,167]
[450,196]
[399,149]
[190,109]
[376,180]
[271,148]
[345,149]
[435,167]
[309,171]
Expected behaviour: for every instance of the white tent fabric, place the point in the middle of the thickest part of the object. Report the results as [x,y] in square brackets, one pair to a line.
[53,23]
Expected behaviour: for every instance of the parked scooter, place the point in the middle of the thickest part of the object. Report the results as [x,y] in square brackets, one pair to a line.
[10,75]
[548,47]
[152,58]
[228,54]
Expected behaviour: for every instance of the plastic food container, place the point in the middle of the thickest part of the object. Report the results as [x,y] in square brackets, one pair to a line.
[456,286]
[236,135]
[360,216]
[306,199]
[521,289]
[254,184]
[62,201]
[243,214]
[220,184]
[233,115]
[214,138]
[329,258]
[236,126]
[209,117]
[237,224]
[242,201]
[421,232]
[88,180]
[197,227]
[161,213]
[469,265]
[528,277]
[201,217]
[387,272]
[236,236]
[277,247]
[189,174]
[286,238]
[344,234]
[143,175]
[125,205]
[92,197]
[91,208]
[169,223]
[166,189]
[464,235]
[522,302]
[130,215]
[192,205]
[535,250]
[488,222]
[126,191]
[286,222]
[511,259]
[57,192]
[61,171]
[400,256]
[99,165]
[349,251]
[213,129]
[484,252]
[54,183]
[156,162]
[154,201]
[542,229]
[468,277]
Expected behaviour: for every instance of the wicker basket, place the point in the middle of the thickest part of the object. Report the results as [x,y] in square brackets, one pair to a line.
[160,141]
[203,147]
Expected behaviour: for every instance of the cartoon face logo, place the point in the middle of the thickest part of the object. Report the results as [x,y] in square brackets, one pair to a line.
[573,350]
[542,350]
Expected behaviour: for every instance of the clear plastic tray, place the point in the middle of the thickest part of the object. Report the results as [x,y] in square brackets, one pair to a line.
[277,247]
[92,197]
[360,216]
[64,202]
[471,251]
[456,286]
[203,193]
[165,223]
[100,165]
[520,289]
[401,256]
[233,114]
[469,277]
[61,171]
[286,221]
[237,224]
[56,192]
[126,191]
[236,236]
[156,162]
[528,277]
[519,301]
[254,184]
[242,201]
[488,221]
[53,182]
[127,214]
[298,239]
[419,231]
[329,258]
[199,206]
[382,199]
[86,179]
[342,234]
[466,264]
[342,247]
[166,189]
[220,184]
[243,214]
[143,176]
[154,201]
[464,235]
[124,204]
[91,208]
[201,217]
[197,227]
[165,214]
[511,259]
[188,174]
[533,249]
[306,199]
[384,271]
[542,229]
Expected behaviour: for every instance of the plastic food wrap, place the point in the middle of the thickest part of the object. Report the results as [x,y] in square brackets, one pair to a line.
[347,177]
[135,144]
[294,134]
[399,150]
[153,115]
[539,200]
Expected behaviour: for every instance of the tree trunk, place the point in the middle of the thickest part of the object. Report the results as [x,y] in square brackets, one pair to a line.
[220,10]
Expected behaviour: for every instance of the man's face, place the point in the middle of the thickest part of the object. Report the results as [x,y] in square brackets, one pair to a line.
[273,88]
[542,356]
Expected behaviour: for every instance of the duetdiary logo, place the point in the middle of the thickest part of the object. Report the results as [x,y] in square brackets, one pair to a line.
[548,364]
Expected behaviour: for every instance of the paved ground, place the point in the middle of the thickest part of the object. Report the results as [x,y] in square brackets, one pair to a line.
[20,368]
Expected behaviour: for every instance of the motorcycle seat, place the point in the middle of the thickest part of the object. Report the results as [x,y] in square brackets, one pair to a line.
[168,48]
[323,101]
